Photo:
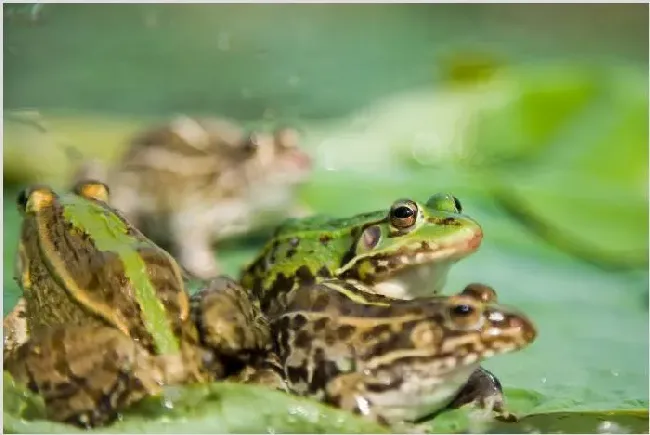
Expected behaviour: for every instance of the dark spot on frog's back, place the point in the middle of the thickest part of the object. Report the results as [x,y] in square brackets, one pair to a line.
[324,239]
[304,275]
[321,302]
[345,332]
[273,251]
[320,324]
[297,322]
[303,340]
[281,284]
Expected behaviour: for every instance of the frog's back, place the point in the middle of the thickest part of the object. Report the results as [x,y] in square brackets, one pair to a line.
[302,250]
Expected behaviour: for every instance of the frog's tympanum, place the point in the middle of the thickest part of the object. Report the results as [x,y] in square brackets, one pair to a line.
[195,181]
[105,319]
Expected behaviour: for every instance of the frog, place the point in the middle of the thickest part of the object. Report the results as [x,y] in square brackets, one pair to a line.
[105,319]
[403,252]
[396,361]
[192,182]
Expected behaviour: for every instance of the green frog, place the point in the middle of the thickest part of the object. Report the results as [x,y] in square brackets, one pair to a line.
[395,360]
[403,252]
[105,319]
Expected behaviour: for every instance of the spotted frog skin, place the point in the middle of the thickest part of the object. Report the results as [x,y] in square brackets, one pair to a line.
[192,182]
[105,320]
[394,361]
[402,252]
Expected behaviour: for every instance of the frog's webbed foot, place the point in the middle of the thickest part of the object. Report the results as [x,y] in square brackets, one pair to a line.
[86,375]
[229,320]
[484,390]
[267,372]
[14,328]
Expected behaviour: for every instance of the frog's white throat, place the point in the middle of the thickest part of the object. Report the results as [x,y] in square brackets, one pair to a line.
[416,281]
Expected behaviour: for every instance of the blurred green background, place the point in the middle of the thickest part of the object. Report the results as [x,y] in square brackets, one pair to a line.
[535,116]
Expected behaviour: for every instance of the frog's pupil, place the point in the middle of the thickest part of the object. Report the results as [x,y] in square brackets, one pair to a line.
[403,212]
[462,310]
[459,207]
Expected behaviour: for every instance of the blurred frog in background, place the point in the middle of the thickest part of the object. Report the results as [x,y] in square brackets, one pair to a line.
[194,181]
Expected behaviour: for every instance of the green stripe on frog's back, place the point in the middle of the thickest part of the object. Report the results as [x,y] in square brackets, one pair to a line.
[110,234]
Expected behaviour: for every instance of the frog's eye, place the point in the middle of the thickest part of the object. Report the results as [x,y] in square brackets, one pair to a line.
[403,214]
[463,310]
[34,198]
[445,202]
[464,313]
[92,189]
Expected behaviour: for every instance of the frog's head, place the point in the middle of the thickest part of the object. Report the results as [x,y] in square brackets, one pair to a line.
[46,241]
[280,156]
[443,339]
[409,252]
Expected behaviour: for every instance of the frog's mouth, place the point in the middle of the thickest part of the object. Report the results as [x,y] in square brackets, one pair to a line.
[424,271]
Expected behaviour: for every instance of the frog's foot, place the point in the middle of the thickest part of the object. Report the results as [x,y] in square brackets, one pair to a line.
[86,375]
[484,390]
[193,247]
[348,392]
[14,328]
[229,320]
[268,373]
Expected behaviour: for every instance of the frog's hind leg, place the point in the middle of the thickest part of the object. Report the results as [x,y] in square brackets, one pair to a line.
[86,374]
[230,322]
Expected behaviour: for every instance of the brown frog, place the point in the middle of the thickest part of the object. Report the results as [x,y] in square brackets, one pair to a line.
[105,319]
[195,181]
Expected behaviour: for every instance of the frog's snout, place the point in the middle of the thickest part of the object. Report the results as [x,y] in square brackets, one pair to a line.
[511,325]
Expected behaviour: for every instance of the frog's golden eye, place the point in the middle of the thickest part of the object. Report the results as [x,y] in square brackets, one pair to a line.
[464,313]
[34,198]
[403,214]
[445,202]
[92,189]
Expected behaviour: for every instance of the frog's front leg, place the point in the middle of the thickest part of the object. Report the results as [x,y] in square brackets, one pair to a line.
[191,239]
[484,390]
[86,374]
[267,371]
[230,321]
